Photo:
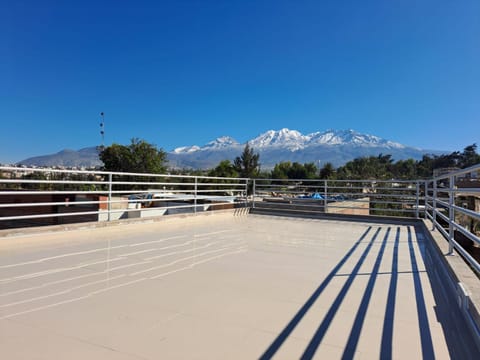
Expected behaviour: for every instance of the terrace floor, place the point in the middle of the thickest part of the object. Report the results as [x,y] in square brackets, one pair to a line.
[220,287]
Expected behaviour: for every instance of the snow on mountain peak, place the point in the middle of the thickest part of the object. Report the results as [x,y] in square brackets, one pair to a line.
[186,149]
[293,140]
[221,142]
[351,137]
[217,144]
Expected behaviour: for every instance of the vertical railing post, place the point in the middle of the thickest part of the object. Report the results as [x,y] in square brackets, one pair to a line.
[246,192]
[109,196]
[254,192]
[425,199]
[434,205]
[195,196]
[417,204]
[451,214]
[325,194]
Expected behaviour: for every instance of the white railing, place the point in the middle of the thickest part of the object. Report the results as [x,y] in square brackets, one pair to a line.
[34,197]
[453,205]
[353,197]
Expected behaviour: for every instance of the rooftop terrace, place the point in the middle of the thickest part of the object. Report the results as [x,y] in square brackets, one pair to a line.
[228,286]
[247,282]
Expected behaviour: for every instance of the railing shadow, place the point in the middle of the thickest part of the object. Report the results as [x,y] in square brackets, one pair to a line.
[285,333]
[427,349]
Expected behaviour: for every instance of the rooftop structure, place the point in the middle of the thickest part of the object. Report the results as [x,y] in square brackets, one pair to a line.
[247,281]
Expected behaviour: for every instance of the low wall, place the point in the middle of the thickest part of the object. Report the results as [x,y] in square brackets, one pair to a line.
[456,286]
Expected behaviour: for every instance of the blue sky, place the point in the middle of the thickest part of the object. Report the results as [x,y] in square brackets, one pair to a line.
[185,72]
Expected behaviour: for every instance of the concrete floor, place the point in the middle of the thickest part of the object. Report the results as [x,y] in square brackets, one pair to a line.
[219,287]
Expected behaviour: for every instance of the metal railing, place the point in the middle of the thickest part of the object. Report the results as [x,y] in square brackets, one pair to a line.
[453,205]
[353,197]
[35,197]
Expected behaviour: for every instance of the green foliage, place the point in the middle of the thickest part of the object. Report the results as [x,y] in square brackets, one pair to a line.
[224,169]
[470,156]
[247,164]
[327,171]
[138,157]
[382,167]
[288,170]
[372,167]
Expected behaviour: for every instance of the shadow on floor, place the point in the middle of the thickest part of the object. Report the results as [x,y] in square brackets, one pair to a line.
[455,346]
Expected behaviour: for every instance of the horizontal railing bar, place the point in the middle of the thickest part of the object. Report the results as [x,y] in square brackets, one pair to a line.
[32,181]
[40,216]
[468,212]
[99,172]
[468,234]
[54,192]
[443,216]
[466,255]
[457,173]
[53,203]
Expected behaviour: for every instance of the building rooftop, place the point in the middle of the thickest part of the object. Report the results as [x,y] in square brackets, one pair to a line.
[224,286]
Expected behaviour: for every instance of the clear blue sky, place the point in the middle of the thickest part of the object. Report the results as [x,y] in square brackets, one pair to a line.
[184,72]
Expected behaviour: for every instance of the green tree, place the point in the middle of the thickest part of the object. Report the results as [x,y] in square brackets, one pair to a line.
[280,171]
[288,170]
[372,167]
[224,169]
[327,171]
[138,157]
[247,164]
[405,169]
[469,157]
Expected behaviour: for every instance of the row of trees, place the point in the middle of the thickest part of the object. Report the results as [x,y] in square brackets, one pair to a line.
[143,157]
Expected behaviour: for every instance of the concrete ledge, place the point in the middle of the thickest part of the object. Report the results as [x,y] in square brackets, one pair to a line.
[335,216]
[102,224]
[457,283]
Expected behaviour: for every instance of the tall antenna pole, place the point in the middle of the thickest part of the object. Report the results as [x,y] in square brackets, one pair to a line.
[102,130]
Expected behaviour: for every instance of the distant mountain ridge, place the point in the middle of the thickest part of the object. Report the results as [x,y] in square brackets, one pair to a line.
[294,140]
[86,157]
[274,146]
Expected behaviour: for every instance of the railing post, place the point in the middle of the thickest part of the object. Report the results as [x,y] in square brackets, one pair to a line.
[109,196]
[195,196]
[451,214]
[434,205]
[246,192]
[425,199]
[325,194]
[254,191]
[417,211]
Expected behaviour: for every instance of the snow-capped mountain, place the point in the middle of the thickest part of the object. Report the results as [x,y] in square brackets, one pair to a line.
[294,140]
[344,137]
[274,146]
[217,144]
[289,139]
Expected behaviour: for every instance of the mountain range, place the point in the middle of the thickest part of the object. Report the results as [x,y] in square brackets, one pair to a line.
[274,146]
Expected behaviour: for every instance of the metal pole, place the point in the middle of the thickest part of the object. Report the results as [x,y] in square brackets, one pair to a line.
[451,214]
[325,194]
[195,197]
[434,205]
[102,130]
[425,200]
[109,195]
[417,211]
[246,192]
[254,191]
